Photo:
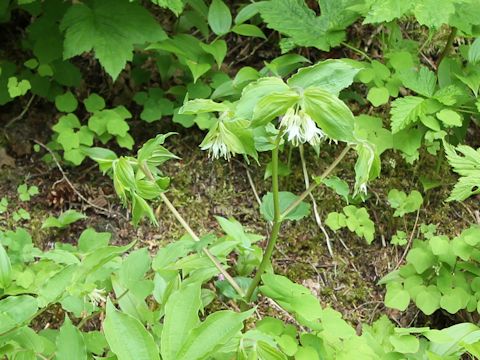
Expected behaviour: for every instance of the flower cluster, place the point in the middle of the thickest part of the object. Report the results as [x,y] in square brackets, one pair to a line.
[220,142]
[300,128]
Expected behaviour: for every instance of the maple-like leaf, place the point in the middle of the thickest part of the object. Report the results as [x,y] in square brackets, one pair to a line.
[110,28]
[405,111]
[465,162]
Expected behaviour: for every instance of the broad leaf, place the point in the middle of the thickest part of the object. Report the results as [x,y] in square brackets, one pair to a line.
[110,28]
[127,337]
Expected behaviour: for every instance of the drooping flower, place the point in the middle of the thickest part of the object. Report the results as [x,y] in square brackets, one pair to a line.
[97,296]
[220,142]
[300,128]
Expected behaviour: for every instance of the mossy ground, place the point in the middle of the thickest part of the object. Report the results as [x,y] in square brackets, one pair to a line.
[202,188]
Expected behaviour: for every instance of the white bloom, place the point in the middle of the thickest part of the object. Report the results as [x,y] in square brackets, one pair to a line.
[219,142]
[300,128]
[363,188]
[97,296]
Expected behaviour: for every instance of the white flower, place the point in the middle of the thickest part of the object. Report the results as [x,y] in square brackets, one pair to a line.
[220,142]
[300,128]
[97,296]
[363,188]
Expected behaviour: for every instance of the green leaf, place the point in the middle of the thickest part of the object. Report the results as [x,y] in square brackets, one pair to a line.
[94,102]
[465,162]
[181,316]
[387,10]
[65,219]
[422,82]
[70,342]
[422,259]
[218,49]
[396,297]
[378,96]
[200,106]
[406,111]
[301,25]
[248,30]
[285,199]
[454,300]
[217,329]
[336,221]
[17,88]
[272,106]
[474,51]
[330,113]
[434,13]
[404,204]
[110,34]
[127,337]
[219,17]
[450,118]
[66,102]
[176,6]
[16,310]
[5,269]
[405,344]
[428,300]
[330,75]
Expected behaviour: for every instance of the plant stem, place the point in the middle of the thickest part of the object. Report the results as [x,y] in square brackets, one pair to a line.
[313,185]
[277,222]
[192,233]
[353,48]
[448,45]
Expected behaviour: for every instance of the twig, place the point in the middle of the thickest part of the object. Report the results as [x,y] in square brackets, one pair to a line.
[409,242]
[318,219]
[22,114]
[252,185]
[448,45]
[64,175]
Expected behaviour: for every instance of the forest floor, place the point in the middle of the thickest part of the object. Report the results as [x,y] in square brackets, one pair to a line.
[202,188]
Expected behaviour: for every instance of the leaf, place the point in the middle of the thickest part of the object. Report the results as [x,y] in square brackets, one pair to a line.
[66,102]
[396,297]
[330,75]
[17,88]
[422,259]
[405,111]
[285,199]
[422,82]
[218,49]
[127,337]
[219,17]
[387,10]
[176,6]
[70,342]
[249,30]
[181,316]
[200,106]
[301,25]
[405,344]
[434,13]
[474,51]
[272,106]
[65,219]
[330,113]
[94,102]
[378,96]
[428,300]
[454,300]
[5,269]
[110,34]
[217,329]
[450,118]
[465,162]
[16,310]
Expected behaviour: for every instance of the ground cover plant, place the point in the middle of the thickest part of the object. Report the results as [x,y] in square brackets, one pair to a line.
[278,179]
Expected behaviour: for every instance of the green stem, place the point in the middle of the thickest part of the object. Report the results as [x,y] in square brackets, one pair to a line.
[448,45]
[277,222]
[353,48]
[192,233]
[313,185]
